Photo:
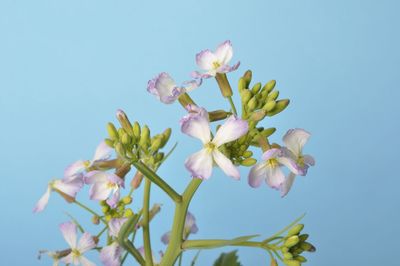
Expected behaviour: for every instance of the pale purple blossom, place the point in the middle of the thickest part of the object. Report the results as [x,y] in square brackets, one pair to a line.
[104,186]
[189,228]
[215,62]
[200,163]
[69,186]
[78,248]
[110,255]
[166,90]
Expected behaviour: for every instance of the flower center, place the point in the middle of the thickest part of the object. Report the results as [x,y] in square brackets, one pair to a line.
[272,163]
[111,185]
[300,161]
[210,147]
[75,253]
[216,64]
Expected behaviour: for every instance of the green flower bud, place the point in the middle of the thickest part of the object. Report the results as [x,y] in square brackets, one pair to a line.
[156,144]
[303,237]
[247,78]
[292,262]
[136,130]
[125,139]
[247,154]
[159,156]
[128,213]
[144,137]
[95,219]
[300,258]
[269,86]
[108,217]
[249,162]
[105,209]
[284,249]
[257,115]
[252,104]
[245,95]
[295,230]
[256,88]
[307,247]
[127,200]
[279,107]
[269,106]
[242,84]
[124,121]
[268,132]
[273,95]
[166,136]
[119,148]
[103,203]
[112,131]
[291,241]
[287,255]
[109,142]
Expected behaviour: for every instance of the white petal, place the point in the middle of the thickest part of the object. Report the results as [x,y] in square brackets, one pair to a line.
[232,129]
[275,177]
[42,203]
[115,225]
[85,262]
[99,191]
[68,259]
[295,139]
[289,163]
[71,188]
[68,231]
[257,174]
[74,169]
[271,154]
[224,52]
[197,126]
[287,184]
[103,152]
[226,165]
[86,243]
[308,159]
[110,255]
[206,59]
[200,164]
[96,176]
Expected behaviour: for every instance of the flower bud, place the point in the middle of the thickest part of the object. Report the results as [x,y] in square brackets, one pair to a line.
[292,262]
[279,107]
[109,143]
[95,219]
[144,137]
[247,77]
[127,200]
[249,162]
[124,121]
[247,154]
[125,139]
[156,144]
[303,237]
[291,241]
[242,84]
[105,208]
[128,213]
[269,86]
[295,230]
[119,148]
[272,96]
[300,258]
[256,88]
[166,135]
[307,247]
[112,131]
[252,104]
[246,95]
[287,255]
[268,132]
[136,130]
[269,106]
[108,217]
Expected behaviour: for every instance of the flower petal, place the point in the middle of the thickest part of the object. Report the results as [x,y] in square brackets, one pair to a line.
[74,169]
[224,52]
[42,203]
[290,163]
[308,159]
[99,191]
[113,201]
[231,130]
[165,238]
[271,153]
[295,139]
[200,164]
[206,59]
[69,259]
[95,177]
[71,187]
[286,186]
[68,230]
[192,84]
[226,165]
[85,262]
[86,243]
[110,255]
[197,126]
[275,177]
[190,222]
[164,88]
[227,68]
[257,174]
[198,75]
[103,152]
[115,225]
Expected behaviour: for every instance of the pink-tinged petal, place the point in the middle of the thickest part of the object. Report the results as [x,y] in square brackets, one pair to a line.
[232,129]
[99,191]
[115,225]
[74,169]
[86,243]
[200,164]
[190,222]
[69,259]
[198,75]
[295,139]
[286,186]
[197,126]
[113,201]
[164,88]
[85,262]
[308,159]
[165,238]
[103,152]
[111,255]
[226,165]
[291,164]
[42,203]
[95,177]
[68,230]
[71,187]
[224,52]
[206,59]
[192,84]
[275,177]
[257,174]
[114,179]
[271,153]
[227,68]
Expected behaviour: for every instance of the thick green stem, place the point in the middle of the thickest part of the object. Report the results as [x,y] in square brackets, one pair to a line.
[174,248]
[145,225]
[156,179]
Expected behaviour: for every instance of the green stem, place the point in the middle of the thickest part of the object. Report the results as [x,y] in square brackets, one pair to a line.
[174,248]
[145,226]
[101,232]
[89,210]
[232,105]
[126,229]
[180,260]
[156,179]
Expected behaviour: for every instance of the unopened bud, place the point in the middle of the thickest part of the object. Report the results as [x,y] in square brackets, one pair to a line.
[242,84]
[252,104]
[247,154]
[124,121]
[295,230]
[105,208]
[269,86]
[108,217]
[112,131]
[125,139]
[246,95]
[119,148]
[127,200]
[166,136]
[156,144]
[269,106]
[292,263]
[287,255]
[247,77]
[136,130]
[303,237]
[144,137]
[272,96]
[307,247]
[291,241]
[128,213]
[268,132]
[256,88]
[257,115]
[249,162]
[95,219]
[300,258]
[279,107]
[109,143]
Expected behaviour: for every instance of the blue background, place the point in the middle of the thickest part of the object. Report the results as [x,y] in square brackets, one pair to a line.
[66,66]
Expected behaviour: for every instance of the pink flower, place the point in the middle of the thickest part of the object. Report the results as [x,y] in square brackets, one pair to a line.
[190,228]
[111,255]
[215,62]
[200,163]
[166,90]
[104,185]
[78,248]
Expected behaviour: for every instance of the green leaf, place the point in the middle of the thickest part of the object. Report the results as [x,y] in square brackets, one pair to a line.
[228,259]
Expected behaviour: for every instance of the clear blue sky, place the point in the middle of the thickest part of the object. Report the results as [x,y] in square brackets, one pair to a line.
[66,66]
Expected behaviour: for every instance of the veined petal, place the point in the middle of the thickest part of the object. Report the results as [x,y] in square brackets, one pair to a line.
[86,243]
[200,164]
[166,237]
[190,222]
[308,159]
[42,203]
[232,129]
[69,259]
[198,75]
[95,177]
[270,154]
[68,230]
[115,225]
[103,152]
[228,68]
[192,84]
[206,59]
[286,186]
[224,52]
[99,191]
[226,165]
[197,126]
[275,177]
[71,187]
[111,254]
[74,169]
[295,139]
[85,262]
[257,174]
[290,163]
[113,201]
[164,88]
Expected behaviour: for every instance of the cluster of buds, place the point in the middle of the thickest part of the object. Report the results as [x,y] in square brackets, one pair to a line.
[120,211]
